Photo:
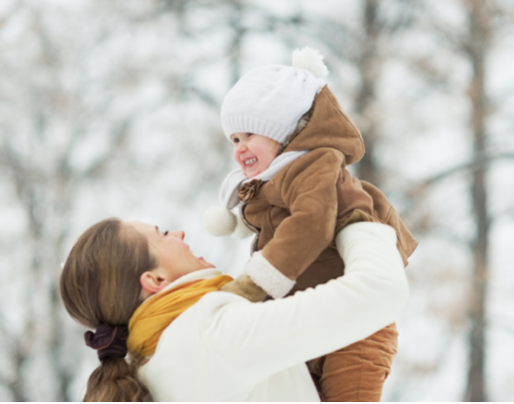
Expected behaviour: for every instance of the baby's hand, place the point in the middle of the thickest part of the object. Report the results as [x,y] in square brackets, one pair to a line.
[356,216]
[245,287]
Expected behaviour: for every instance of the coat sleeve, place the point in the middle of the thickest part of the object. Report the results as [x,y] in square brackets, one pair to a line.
[257,340]
[308,189]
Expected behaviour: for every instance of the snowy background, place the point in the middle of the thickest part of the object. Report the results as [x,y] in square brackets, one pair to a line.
[111,108]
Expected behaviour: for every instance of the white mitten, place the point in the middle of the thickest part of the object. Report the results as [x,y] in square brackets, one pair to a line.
[269,278]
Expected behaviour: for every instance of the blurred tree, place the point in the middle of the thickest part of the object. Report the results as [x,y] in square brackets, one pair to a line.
[472,42]
[475,48]
[81,98]
[63,125]
[366,43]
[482,18]
[375,46]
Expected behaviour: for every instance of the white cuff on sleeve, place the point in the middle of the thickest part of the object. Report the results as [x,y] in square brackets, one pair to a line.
[269,278]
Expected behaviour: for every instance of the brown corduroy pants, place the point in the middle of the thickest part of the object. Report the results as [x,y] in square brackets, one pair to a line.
[357,372]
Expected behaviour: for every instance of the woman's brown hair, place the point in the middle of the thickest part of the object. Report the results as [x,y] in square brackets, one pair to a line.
[100,285]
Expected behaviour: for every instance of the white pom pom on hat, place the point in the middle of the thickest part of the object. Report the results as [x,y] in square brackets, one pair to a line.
[310,59]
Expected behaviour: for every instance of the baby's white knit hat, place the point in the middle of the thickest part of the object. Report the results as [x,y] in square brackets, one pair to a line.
[270,100]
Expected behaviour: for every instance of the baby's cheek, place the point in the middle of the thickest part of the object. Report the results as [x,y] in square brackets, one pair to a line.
[269,155]
[235,156]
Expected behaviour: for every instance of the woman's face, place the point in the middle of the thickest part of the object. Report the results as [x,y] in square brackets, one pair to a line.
[174,256]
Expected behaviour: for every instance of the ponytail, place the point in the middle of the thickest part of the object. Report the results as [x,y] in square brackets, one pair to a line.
[100,289]
[116,380]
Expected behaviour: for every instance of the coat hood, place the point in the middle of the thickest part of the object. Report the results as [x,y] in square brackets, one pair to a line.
[329,126]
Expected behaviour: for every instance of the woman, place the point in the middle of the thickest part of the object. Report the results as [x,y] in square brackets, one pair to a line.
[186,344]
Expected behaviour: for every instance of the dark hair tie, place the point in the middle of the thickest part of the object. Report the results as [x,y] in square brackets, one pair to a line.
[108,341]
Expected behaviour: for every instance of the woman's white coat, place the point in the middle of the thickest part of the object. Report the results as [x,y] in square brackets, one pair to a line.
[225,348]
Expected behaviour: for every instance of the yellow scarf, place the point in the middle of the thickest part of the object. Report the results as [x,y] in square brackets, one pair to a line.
[155,314]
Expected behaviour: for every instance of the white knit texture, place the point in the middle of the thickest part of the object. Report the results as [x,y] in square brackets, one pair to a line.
[265,275]
[269,101]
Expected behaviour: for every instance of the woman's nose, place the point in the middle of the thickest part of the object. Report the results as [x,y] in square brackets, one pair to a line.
[178,234]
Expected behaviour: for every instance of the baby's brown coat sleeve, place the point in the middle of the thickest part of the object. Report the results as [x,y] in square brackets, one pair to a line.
[309,189]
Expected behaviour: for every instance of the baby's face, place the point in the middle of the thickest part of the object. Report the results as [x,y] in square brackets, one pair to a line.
[254,153]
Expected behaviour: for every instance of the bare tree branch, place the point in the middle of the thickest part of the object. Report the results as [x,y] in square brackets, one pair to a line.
[479,163]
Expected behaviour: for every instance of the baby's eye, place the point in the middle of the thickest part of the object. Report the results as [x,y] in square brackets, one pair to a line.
[235,140]
[249,134]
[166,233]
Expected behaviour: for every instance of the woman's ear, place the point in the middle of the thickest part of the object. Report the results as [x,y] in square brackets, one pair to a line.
[152,282]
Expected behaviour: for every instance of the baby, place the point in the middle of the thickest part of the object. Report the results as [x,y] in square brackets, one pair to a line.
[293,142]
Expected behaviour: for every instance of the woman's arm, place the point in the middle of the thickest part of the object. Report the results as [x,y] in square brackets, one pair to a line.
[260,339]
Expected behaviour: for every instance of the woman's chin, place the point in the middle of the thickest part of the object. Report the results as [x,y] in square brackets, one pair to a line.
[205,263]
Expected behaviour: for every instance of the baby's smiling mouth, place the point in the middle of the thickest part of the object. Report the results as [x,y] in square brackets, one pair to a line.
[249,162]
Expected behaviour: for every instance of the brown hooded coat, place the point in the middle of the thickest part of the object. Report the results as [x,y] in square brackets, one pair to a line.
[300,210]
